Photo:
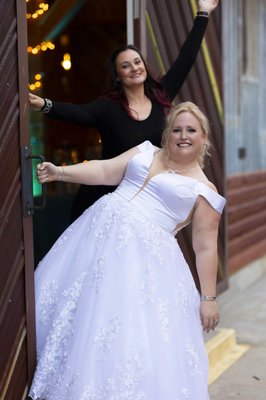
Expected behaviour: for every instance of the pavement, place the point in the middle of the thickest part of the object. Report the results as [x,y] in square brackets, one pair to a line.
[237,350]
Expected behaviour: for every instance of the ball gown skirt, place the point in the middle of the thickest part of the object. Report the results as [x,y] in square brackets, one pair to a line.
[117,312]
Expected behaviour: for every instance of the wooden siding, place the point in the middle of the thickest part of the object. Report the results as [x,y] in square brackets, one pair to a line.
[246,218]
[14,371]
[168,24]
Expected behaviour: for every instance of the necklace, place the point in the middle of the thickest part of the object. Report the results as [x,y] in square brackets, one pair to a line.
[171,170]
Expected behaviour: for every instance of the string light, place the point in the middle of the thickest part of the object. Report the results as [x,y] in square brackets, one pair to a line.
[43,7]
[34,11]
[40,9]
[41,47]
[37,84]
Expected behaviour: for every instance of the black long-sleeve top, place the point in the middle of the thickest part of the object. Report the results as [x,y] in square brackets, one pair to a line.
[119,132]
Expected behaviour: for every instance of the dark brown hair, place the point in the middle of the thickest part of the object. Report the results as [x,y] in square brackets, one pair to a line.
[152,88]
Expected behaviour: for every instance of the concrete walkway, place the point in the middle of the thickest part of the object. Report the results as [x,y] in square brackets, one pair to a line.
[243,309]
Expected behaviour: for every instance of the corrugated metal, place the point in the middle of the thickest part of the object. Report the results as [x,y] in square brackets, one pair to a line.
[244,46]
[168,24]
[14,370]
[246,218]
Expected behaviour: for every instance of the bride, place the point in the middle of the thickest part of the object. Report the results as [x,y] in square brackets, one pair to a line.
[118,314]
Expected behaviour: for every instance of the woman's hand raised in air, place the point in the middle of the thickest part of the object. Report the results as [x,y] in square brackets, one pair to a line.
[207,5]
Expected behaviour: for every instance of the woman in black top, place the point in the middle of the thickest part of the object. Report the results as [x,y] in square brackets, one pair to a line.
[134,108]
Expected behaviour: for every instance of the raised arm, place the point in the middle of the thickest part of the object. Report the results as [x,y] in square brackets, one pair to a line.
[80,114]
[205,224]
[96,172]
[173,80]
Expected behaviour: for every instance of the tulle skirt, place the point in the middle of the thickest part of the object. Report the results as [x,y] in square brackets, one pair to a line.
[117,312]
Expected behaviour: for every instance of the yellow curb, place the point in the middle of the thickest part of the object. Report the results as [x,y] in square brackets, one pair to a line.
[223,351]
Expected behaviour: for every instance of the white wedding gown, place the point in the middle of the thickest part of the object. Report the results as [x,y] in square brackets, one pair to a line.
[117,309]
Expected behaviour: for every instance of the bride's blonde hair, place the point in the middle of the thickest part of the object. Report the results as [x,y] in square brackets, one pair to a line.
[188,106]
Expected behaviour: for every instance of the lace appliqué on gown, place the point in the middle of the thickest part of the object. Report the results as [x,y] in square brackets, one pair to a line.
[47,302]
[63,239]
[103,233]
[148,294]
[124,385]
[53,357]
[148,288]
[186,394]
[193,359]
[104,340]
[99,273]
[164,319]
[186,297]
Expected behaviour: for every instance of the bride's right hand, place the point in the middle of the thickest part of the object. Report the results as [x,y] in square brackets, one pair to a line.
[48,172]
[36,102]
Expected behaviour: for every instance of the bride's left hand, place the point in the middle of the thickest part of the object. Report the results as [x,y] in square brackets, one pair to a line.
[209,315]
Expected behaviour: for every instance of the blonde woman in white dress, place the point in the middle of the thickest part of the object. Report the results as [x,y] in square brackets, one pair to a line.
[118,314]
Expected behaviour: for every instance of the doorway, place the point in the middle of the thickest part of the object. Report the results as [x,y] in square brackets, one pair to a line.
[87,32]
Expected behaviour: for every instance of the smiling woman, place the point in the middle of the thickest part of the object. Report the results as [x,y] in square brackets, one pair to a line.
[130,68]
[131,72]
[188,126]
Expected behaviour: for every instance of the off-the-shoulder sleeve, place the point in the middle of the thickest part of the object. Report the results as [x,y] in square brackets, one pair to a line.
[214,199]
[144,146]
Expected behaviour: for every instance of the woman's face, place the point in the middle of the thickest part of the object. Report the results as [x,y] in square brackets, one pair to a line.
[130,68]
[186,137]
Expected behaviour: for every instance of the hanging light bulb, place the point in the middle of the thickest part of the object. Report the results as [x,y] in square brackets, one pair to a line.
[66,63]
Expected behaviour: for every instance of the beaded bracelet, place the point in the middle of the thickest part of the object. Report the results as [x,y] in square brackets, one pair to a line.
[207,298]
[203,14]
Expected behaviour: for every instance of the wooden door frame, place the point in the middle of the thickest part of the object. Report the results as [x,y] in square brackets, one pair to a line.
[24,131]
[136,26]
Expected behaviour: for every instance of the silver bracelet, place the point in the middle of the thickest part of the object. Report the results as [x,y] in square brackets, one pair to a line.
[47,106]
[207,298]
[203,14]
[63,174]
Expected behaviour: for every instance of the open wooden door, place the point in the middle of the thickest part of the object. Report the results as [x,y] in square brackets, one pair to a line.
[17,325]
[159,28]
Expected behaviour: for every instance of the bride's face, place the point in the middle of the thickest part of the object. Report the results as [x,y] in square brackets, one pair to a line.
[186,137]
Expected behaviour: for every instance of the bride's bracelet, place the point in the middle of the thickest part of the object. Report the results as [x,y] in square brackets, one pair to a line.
[207,298]
[62,174]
